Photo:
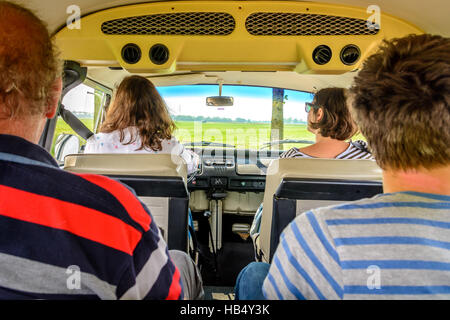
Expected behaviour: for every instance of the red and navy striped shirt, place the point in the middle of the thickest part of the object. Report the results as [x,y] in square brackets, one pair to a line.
[72,236]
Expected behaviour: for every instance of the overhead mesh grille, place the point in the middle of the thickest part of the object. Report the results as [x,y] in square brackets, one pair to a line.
[186,23]
[299,24]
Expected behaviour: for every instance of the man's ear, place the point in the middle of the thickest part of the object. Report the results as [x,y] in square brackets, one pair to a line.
[54,99]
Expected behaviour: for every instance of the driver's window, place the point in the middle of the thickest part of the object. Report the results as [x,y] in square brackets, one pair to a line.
[85,103]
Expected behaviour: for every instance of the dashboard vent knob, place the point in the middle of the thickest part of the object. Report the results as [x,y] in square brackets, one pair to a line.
[322,55]
[159,54]
[350,54]
[131,53]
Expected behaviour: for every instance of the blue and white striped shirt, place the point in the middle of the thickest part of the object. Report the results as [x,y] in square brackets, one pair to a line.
[392,246]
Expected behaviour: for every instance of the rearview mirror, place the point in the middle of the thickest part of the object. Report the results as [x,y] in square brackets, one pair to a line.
[219,101]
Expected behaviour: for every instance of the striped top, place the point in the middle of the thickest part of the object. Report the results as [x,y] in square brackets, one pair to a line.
[355,150]
[392,246]
[67,236]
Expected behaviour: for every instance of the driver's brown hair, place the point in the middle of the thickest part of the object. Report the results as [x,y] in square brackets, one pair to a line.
[138,104]
[402,102]
[29,63]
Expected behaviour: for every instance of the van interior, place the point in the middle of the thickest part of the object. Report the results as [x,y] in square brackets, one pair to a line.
[225,68]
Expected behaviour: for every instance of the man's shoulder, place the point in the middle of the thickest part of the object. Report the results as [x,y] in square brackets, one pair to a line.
[344,206]
[345,210]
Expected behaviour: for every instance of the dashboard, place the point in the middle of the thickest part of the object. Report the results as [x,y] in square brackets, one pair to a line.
[231,169]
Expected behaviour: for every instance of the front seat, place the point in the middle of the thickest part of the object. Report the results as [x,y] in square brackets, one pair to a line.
[159,180]
[296,185]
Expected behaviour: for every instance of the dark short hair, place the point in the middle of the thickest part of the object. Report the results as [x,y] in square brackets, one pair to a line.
[29,63]
[402,102]
[337,122]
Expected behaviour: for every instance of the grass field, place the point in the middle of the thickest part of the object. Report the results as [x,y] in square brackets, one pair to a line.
[241,135]
[63,127]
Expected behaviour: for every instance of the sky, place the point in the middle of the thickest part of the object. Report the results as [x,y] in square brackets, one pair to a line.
[254,103]
[80,99]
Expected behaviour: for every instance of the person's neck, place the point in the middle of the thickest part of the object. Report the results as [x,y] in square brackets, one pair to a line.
[327,140]
[29,129]
[435,181]
[325,147]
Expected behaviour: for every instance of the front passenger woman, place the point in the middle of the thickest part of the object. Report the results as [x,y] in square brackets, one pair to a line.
[330,120]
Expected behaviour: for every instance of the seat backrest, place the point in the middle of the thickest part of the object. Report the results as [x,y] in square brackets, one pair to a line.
[295,196]
[159,180]
[312,176]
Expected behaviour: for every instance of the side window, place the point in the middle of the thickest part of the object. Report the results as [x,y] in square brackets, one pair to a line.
[86,103]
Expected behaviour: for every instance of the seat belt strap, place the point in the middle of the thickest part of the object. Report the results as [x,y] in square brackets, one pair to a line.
[75,123]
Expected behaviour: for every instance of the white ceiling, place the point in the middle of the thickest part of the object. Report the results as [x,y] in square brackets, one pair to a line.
[432,16]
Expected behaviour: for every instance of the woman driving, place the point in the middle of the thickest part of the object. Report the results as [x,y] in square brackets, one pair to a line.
[138,122]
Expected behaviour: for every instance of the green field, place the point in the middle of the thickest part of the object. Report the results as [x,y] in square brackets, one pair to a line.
[63,127]
[241,135]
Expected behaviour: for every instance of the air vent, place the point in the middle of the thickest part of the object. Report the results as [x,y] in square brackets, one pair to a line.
[322,55]
[350,54]
[302,24]
[159,54]
[184,23]
[131,53]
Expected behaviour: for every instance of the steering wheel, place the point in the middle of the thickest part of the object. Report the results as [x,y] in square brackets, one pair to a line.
[192,175]
[261,165]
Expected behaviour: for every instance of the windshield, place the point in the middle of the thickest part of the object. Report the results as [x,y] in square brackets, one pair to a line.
[246,124]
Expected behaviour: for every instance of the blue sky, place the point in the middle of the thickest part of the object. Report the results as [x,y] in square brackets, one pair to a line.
[253,103]
[227,90]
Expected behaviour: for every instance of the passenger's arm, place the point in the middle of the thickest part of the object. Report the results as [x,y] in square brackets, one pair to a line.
[192,159]
[143,267]
[151,274]
[306,264]
[90,145]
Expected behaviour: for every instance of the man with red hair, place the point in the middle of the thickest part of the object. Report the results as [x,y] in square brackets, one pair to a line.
[67,236]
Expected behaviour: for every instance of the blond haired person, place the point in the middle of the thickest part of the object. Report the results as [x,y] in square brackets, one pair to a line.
[53,221]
